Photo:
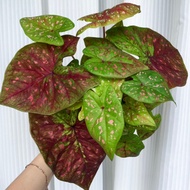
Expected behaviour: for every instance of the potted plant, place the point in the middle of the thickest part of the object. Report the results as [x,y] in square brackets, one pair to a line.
[101,105]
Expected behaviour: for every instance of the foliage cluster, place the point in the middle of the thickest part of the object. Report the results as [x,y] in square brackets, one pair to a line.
[101,105]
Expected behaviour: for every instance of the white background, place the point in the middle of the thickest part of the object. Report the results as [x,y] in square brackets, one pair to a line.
[164,164]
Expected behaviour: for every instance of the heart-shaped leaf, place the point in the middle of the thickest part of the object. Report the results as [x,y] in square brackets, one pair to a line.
[147,86]
[46,28]
[108,61]
[104,118]
[68,150]
[34,84]
[129,146]
[152,49]
[135,113]
[110,16]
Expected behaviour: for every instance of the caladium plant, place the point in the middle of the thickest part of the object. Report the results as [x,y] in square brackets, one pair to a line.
[101,104]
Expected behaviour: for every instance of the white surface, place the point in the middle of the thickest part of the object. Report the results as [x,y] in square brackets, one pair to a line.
[164,164]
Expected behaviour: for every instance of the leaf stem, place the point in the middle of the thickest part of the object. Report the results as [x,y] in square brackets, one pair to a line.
[104,32]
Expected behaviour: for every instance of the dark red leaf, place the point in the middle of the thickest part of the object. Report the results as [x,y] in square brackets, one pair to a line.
[70,151]
[152,49]
[168,62]
[34,84]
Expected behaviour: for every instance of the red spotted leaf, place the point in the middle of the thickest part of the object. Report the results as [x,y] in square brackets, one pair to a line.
[152,49]
[104,118]
[35,80]
[108,61]
[135,113]
[110,16]
[69,150]
[148,87]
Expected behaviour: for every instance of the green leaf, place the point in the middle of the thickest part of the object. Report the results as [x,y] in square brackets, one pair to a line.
[104,83]
[145,132]
[130,39]
[108,61]
[109,16]
[148,87]
[76,105]
[129,146]
[128,129]
[81,114]
[74,63]
[135,113]
[119,24]
[104,118]
[46,28]
[153,50]
[65,117]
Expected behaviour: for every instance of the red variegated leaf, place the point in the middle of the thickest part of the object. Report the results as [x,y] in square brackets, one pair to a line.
[35,80]
[152,49]
[68,150]
[110,16]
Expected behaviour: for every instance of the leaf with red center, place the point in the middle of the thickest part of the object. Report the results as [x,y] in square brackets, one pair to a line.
[67,147]
[46,28]
[104,118]
[152,49]
[35,80]
[108,61]
[110,16]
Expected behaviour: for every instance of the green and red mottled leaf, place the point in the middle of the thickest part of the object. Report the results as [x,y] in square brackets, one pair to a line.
[104,118]
[148,87]
[68,150]
[107,61]
[129,146]
[109,16]
[46,28]
[135,113]
[153,50]
[34,84]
